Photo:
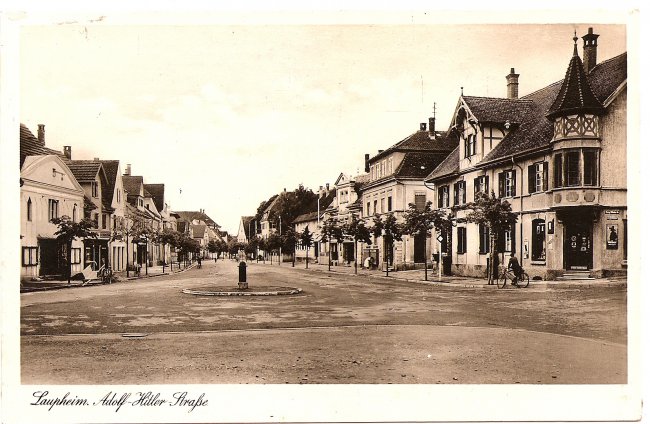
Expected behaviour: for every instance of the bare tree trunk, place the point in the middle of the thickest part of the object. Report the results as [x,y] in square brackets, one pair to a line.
[355,256]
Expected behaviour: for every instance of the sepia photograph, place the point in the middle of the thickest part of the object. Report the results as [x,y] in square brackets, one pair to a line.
[229,213]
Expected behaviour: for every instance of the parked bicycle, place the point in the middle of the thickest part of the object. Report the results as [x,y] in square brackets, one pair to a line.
[105,274]
[509,275]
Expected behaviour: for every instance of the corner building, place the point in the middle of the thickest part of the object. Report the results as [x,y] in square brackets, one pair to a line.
[558,156]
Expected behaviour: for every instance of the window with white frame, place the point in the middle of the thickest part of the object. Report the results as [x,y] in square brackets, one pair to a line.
[507,183]
[481,185]
[538,177]
[443,196]
[75,255]
[470,145]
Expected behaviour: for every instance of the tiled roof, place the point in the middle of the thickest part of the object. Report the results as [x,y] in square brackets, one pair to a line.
[132,184]
[311,216]
[110,169]
[157,192]
[30,146]
[449,166]
[575,93]
[246,222]
[420,141]
[192,215]
[536,131]
[84,170]
[198,231]
[419,165]
[491,109]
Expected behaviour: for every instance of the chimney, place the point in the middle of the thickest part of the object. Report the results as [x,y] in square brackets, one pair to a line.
[423,126]
[96,159]
[41,134]
[367,162]
[67,151]
[379,151]
[513,84]
[432,127]
[127,172]
[589,50]
[327,186]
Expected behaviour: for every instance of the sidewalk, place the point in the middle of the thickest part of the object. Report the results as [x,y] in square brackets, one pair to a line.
[152,271]
[417,276]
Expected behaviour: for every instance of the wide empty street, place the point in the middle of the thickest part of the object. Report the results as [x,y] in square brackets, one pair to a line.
[340,329]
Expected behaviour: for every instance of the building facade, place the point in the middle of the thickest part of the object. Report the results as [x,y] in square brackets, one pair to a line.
[558,156]
[396,179]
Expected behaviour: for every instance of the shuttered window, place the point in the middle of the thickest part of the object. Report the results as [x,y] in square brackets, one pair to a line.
[461,240]
[420,201]
[507,183]
[538,177]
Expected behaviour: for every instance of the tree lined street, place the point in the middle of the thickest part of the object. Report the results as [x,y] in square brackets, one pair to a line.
[341,329]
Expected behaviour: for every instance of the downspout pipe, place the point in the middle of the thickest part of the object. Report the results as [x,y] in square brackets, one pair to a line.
[521,211]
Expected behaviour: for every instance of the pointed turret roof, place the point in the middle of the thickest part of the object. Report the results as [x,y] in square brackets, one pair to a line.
[575,95]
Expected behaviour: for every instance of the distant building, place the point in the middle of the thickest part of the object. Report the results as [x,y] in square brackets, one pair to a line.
[396,179]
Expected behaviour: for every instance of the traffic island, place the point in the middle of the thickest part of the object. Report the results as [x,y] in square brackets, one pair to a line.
[250,291]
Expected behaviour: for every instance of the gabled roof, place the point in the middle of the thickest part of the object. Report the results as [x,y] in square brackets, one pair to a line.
[111,168]
[497,110]
[419,165]
[306,217]
[420,141]
[246,220]
[198,231]
[30,146]
[536,131]
[201,216]
[575,93]
[132,184]
[449,166]
[157,192]
[84,170]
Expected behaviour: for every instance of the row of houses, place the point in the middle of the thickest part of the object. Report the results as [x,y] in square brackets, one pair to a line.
[125,211]
[557,155]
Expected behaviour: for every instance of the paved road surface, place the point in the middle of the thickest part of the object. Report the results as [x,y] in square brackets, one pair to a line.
[340,330]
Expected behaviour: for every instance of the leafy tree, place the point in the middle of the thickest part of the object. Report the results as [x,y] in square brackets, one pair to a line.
[264,246]
[274,243]
[306,239]
[357,230]
[289,240]
[331,231]
[68,231]
[390,231]
[497,216]
[167,237]
[291,204]
[421,222]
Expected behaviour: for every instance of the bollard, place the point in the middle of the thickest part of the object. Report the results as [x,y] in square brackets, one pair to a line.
[242,275]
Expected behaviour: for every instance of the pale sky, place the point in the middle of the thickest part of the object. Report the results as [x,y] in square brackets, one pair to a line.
[231,115]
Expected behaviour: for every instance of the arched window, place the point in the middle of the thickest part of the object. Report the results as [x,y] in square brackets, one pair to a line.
[74,213]
[29,209]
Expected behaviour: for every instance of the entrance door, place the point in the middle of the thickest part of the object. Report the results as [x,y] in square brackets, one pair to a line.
[419,246]
[578,250]
[51,260]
